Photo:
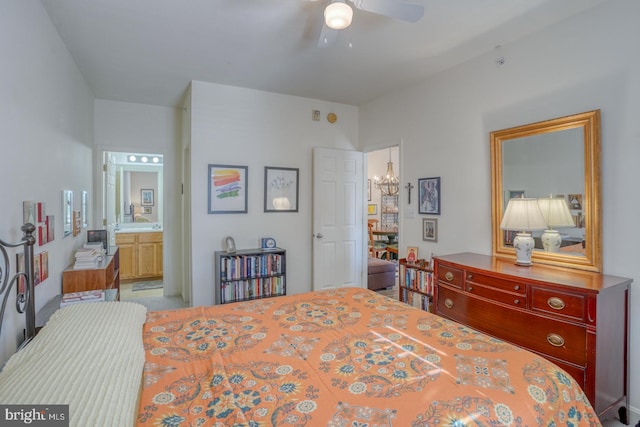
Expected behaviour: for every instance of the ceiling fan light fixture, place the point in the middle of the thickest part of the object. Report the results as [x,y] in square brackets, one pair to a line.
[338,15]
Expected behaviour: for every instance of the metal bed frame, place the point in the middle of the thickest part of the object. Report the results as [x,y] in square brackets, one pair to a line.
[25,300]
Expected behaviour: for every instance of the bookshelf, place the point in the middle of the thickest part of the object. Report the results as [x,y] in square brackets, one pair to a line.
[416,285]
[250,274]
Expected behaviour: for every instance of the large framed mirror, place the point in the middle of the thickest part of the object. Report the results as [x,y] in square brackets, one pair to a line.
[558,158]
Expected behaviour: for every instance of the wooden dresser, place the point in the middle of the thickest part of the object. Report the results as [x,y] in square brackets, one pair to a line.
[577,319]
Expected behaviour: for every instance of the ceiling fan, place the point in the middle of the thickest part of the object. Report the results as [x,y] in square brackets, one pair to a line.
[338,15]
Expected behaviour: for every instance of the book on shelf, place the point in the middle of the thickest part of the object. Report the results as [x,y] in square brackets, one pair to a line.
[82,297]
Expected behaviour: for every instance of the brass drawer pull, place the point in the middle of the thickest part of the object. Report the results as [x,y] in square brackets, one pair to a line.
[448,303]
[470,289]
[470,276]
[555,340]
[516,301]
[449,276]
[516,287]
[556,303]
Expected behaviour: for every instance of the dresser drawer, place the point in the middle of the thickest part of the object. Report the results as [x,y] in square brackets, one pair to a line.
[561,340]
[451,276]
[497,283]
[517,300]
[560,303]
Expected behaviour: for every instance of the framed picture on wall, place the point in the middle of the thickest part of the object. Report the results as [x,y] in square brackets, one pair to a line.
[147,210]
[84,207]
[146,197]
[429,196]
[281,189]
[227,189]
[430,229]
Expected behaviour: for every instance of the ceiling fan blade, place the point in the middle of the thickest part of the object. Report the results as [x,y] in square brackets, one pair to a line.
[328,36]
[392,8]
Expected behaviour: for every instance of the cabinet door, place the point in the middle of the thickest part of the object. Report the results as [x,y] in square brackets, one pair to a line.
[159,258]
[127,260]
[147,260]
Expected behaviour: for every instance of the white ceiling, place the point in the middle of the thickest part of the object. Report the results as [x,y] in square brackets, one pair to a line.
[147,51]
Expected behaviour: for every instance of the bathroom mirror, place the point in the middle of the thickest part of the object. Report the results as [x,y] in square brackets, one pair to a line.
[557,158]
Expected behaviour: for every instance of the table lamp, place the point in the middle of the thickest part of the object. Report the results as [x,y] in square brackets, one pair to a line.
[556,214]
[523,216]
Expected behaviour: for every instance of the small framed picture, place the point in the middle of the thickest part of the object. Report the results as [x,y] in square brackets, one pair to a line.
[372,209]
[412,253]
[430,229]
[281,189]
[575,202]
[516,194]
[147,210]
[146,197]
[429,195]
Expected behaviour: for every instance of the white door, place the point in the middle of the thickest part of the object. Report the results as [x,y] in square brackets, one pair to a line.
[338,202]
[110,196]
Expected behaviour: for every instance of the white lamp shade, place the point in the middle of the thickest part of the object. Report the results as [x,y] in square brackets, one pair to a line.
[556,212]
[523,215]
[338,15]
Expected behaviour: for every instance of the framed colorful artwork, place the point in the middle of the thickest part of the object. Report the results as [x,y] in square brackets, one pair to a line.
[429,196]
[227,189]
[372,209]
[281,189]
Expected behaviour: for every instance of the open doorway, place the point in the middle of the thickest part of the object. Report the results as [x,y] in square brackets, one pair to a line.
[383,171]
[134,219]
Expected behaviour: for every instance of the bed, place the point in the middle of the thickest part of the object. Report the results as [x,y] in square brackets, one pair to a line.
[339,357]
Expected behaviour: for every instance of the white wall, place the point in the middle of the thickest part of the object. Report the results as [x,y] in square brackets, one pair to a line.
[236,126]
[121,126]
[46,118]
[586,63]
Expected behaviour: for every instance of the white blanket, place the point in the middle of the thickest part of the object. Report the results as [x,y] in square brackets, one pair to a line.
[89,356]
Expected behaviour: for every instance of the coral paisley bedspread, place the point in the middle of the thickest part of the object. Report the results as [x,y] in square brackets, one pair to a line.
[343,357]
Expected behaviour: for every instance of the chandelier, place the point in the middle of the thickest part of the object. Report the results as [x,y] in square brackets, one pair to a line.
[390,184]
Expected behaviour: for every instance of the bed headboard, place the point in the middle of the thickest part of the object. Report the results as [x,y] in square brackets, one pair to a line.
[25,298]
